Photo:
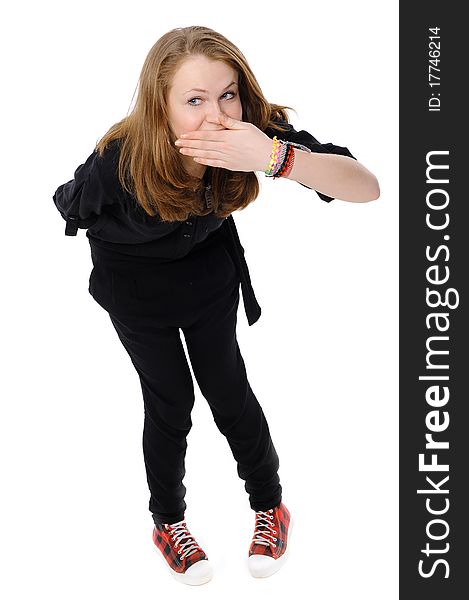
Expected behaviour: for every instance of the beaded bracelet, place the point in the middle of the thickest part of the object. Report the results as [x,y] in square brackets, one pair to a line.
[282,158]
[274,157]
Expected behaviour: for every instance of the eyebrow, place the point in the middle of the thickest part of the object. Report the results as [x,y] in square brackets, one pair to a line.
[205,91]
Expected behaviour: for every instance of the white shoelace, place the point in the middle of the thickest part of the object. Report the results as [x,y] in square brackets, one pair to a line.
[264,528]
[179,532]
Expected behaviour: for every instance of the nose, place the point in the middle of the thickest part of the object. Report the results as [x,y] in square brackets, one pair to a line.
[213,112]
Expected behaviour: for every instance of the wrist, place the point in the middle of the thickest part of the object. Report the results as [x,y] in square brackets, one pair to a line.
[281,159]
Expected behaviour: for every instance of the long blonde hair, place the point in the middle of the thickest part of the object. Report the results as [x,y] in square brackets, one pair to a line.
[150,166]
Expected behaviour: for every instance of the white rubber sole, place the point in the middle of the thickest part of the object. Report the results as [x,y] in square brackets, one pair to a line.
[264,566]
[197,574]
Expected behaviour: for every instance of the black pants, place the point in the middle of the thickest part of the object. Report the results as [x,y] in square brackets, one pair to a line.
[148,304]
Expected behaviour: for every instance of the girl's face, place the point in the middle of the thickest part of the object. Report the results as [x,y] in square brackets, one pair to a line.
[217,91]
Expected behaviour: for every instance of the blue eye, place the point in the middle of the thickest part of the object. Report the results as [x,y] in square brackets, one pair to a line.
[197,98]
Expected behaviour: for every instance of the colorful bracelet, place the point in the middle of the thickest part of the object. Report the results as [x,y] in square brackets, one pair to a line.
[282,158]
[274,157]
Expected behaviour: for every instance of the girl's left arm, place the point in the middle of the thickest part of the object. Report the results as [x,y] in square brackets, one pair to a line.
[336,176]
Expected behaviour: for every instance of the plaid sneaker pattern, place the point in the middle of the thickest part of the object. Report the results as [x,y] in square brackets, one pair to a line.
[271,532]
[177,546]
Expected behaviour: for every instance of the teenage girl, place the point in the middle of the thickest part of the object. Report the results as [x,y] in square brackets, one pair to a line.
[156,197]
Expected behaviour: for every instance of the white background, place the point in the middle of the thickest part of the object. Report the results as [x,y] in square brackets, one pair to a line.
[322,360]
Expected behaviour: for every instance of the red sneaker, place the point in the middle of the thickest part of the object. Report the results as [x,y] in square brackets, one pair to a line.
[269,548]
[186,560]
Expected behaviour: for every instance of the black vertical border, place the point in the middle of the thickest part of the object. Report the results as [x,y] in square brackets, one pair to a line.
[420,132]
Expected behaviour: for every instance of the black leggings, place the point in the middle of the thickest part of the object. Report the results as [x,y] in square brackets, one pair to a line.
[148,304]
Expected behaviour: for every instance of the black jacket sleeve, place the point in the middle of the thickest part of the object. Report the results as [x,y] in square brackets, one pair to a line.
[306,139]
[82,200]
